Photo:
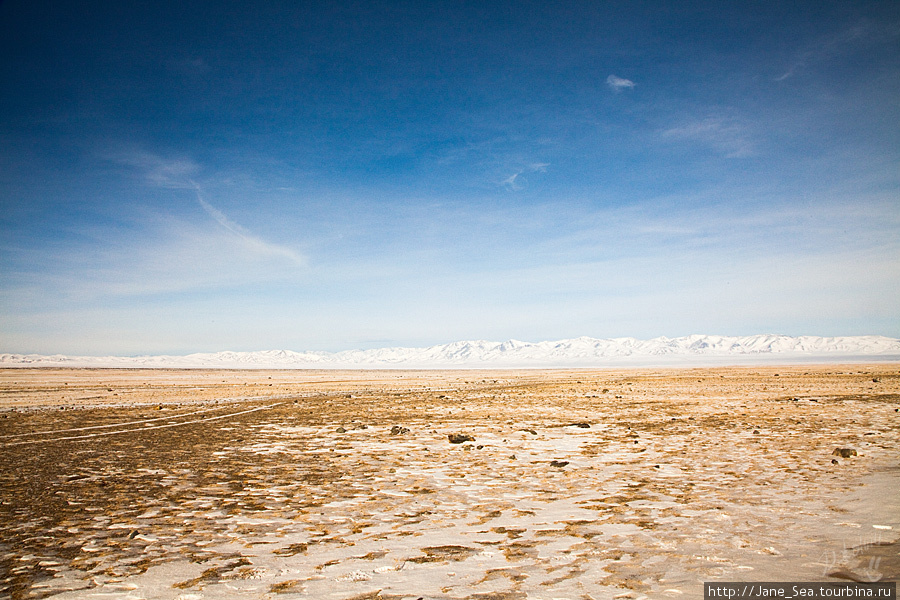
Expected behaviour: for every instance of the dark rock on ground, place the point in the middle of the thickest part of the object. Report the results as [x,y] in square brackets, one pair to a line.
[844,452]
[459,438]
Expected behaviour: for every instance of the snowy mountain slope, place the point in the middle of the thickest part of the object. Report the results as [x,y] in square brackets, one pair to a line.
[577,352]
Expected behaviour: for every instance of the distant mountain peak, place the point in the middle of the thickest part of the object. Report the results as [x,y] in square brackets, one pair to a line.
[576,352]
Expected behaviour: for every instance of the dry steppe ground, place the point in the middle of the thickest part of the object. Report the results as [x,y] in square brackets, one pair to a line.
[577,484]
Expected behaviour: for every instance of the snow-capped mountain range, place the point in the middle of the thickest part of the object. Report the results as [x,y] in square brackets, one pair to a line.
[577,352]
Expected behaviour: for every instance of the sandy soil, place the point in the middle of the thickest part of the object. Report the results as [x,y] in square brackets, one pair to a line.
[333,484]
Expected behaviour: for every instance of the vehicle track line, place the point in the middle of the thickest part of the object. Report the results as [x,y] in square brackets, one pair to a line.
[169,418]
[105,433]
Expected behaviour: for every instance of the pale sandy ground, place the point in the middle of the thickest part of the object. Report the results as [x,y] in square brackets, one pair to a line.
[289,484]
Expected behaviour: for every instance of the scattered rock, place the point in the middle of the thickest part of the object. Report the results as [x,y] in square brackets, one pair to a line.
[834,461]
[397,430]
[582,425]
[341,430]
[531,431]
[459,438]
[844,452]
[558,463]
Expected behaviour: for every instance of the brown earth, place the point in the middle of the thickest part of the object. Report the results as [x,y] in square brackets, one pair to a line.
[579,484]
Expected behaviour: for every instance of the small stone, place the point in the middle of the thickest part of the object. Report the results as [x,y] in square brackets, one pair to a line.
[341,430]
[582,425]
[459,438]
[397,430]
[834,461]
[531,431]
[844,452]
[558,463]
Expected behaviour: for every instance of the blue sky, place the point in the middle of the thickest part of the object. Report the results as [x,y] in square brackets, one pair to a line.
[201,176]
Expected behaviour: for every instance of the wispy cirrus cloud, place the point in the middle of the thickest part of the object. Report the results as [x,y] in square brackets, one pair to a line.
[176,173]
[617,84]
[172,173]
[722,134]
[251,241]
[515,182]
[825,48]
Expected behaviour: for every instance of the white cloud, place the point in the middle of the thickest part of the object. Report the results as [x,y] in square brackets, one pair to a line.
[723,135]
[162,172]
[618,83]
[836,44]
[515,181]
[510,182]
[252,242]
[176,173]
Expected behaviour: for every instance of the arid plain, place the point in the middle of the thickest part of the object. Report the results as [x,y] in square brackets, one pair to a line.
[576,484]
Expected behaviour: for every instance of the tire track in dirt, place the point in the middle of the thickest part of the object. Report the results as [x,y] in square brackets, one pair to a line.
[119,432]
[56,431]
